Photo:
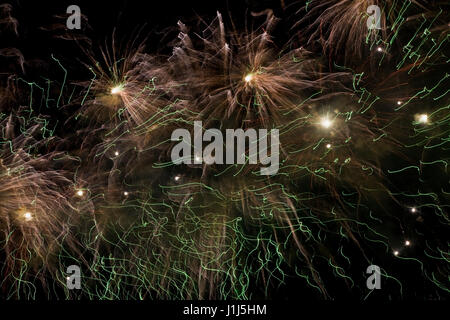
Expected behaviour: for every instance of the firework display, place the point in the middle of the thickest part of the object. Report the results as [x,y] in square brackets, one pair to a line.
[295,150]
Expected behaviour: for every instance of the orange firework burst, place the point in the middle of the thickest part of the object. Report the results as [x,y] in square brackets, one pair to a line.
[122,90]
[37,205]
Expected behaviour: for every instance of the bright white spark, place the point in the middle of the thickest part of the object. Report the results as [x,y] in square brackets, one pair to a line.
[248,77]
[423,118]
[326,123]
[116,90]
[28,216]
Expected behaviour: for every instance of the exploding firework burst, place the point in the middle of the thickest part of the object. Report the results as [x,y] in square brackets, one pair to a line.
[37,208]
[362,176]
